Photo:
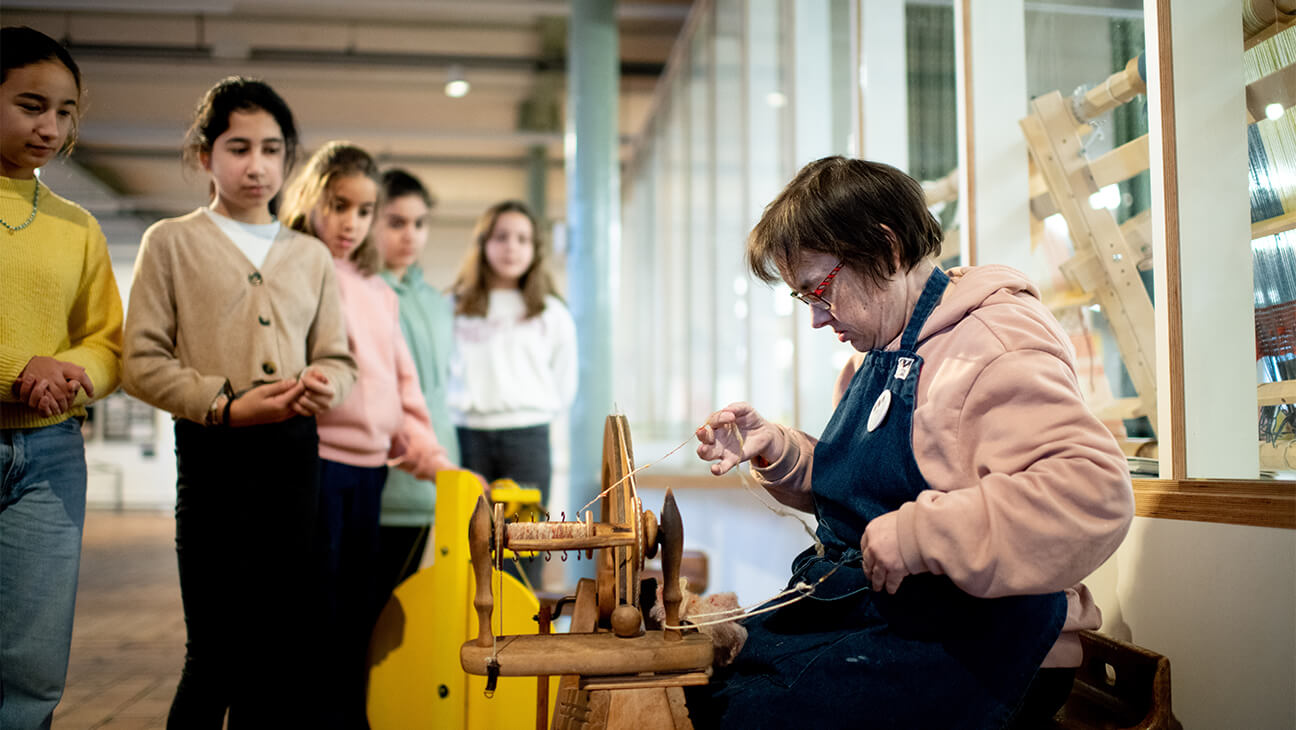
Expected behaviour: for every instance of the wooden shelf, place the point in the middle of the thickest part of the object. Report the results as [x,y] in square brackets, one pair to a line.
[1272,394]
[1273,226]
[1255,502]
[1279,25]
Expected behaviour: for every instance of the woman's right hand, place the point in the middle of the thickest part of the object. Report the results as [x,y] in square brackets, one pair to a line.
[269,403]
[720,443]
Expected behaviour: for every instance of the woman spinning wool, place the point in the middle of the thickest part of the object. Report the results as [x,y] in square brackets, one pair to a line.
[963,489]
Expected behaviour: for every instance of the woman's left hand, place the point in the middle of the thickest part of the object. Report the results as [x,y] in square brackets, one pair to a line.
[880,545]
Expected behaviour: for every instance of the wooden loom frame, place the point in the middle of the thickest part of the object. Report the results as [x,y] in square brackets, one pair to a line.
[1230,501]
[1255,502]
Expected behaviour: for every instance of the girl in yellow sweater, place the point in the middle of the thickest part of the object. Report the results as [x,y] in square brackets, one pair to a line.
[60,346]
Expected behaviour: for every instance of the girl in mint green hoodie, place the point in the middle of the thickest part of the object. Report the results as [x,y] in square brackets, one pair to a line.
[426,317]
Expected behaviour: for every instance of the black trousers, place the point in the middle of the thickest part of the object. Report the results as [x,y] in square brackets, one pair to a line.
[348,542]
[520,454]
[246,514]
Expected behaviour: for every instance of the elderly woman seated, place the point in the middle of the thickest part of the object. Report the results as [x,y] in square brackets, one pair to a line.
[963,489]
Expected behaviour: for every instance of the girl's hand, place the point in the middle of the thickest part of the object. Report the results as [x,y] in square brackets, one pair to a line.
[48,399]
[317,397]
[269,403]
[399,445]
[48,407]
[880,544]
[761,440]
[50,386]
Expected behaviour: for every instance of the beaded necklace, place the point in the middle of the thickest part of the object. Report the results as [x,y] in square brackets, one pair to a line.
[30,218]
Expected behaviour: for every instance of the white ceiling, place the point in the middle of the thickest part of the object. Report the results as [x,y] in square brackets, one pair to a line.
[370,71]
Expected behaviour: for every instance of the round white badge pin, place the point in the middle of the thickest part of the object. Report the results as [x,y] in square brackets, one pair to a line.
[880,408]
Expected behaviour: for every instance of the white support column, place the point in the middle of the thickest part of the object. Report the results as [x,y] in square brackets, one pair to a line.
[884,83]
[1201,203]
[814,100]
[594,226]
[811,81]
[994,182]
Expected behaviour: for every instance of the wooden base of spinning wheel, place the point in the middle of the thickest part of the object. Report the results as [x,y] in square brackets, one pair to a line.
[623,709]
[589,701]
[614,673]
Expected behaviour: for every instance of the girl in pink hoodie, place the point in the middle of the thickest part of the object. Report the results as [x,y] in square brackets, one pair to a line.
[962,487]
[383,421]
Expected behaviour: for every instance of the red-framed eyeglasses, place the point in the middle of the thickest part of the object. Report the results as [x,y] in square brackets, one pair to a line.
[815,297]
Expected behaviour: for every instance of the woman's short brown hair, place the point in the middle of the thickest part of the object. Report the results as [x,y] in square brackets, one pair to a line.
[838,206]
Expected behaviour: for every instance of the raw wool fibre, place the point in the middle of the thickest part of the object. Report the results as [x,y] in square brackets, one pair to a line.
[728,637]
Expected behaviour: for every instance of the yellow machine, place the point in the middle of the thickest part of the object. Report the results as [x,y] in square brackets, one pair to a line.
[415,680]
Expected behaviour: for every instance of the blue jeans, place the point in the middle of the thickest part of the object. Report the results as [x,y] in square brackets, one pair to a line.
[42,510]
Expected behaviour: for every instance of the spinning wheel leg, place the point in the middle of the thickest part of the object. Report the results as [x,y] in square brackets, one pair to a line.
[671,535]
[479,536]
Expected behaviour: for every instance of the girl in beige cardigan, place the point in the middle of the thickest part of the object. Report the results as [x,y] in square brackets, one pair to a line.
[235,328]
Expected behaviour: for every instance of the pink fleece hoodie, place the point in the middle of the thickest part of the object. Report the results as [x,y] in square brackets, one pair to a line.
[385,416]
[1029,493]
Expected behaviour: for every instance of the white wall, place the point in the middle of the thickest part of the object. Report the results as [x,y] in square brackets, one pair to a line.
[1220,602]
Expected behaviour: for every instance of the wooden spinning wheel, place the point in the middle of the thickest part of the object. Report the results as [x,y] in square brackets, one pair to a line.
[608,659]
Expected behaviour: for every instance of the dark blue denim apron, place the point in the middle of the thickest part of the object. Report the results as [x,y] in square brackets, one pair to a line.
[929,656]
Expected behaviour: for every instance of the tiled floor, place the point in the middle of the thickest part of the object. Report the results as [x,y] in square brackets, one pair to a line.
[128,636]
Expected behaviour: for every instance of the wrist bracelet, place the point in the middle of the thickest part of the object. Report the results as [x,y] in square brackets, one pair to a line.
[229,400]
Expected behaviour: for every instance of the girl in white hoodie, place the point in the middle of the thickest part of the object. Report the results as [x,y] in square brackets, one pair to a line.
[514,364]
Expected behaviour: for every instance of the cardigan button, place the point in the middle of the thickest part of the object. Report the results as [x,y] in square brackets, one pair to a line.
[268,368]
[264,322]
[255,278]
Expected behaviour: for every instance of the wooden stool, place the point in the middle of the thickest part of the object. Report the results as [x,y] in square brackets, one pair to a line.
[1119,686]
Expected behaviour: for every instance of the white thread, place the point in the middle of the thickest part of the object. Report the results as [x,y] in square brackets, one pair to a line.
[778,510]
[801,588]
[499,591]
[603,493]
[716,622]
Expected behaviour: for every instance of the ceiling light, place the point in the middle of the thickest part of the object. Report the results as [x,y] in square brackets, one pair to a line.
[456,85]
[1274,110]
